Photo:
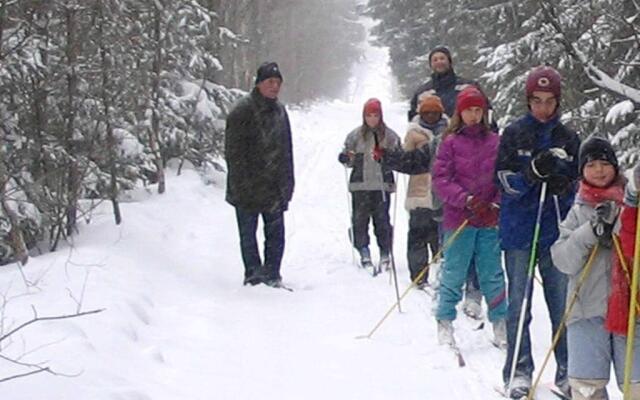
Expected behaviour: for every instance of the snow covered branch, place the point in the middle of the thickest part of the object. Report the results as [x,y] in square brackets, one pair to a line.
[595,74]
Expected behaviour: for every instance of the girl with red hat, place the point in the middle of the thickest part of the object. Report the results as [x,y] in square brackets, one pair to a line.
[463,179]
[371,182]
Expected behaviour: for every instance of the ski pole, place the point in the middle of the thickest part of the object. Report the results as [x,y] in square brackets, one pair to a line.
[556,338]
[529,284]
[631,329]
[417,279]
[351,238]
[394,272]
[394,197]
[557,204]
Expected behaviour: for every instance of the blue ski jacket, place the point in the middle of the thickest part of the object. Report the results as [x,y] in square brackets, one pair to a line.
[520,142]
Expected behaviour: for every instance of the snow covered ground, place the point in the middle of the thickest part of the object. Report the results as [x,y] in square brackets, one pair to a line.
[178,324]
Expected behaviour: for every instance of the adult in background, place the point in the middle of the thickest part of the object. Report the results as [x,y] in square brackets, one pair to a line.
[535,149]
[260,178]
[446,84]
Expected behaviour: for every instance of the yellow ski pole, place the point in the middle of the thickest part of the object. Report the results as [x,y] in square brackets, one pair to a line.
[631,329]
[556,338]
[417,279]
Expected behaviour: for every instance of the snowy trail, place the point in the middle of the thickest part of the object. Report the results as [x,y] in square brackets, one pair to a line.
[179,324]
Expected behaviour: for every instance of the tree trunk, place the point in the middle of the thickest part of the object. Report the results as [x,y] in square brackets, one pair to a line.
[73,177]
[154,133]
[106,104]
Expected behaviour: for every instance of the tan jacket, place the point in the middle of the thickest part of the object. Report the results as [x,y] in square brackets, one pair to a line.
[419,190]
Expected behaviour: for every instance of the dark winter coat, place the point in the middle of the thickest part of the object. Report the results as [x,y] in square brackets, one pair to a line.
[259,155]
[521,141]
[464,167]
[446,86]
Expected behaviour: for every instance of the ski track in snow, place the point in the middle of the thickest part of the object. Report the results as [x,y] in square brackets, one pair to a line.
[178,324]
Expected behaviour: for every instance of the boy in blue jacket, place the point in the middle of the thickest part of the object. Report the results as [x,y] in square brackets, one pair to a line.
[534,149]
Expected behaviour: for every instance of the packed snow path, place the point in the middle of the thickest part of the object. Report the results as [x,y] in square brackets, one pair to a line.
[178,324]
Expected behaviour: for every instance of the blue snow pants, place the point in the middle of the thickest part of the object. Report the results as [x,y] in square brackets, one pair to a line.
[480,245]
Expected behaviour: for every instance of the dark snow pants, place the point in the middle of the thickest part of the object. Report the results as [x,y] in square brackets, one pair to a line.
[368,204]
[423,236]
[273,243]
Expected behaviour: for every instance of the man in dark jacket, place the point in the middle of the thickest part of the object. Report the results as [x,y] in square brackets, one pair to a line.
[260,179]
[534,149]
[444,83]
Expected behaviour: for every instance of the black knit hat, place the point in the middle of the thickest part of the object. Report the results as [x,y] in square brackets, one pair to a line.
[441,49]
[597,149]
[268,70]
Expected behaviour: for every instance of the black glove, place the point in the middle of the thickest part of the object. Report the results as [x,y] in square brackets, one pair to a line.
[543,165]
[345,158]
[559,185]
[602,224]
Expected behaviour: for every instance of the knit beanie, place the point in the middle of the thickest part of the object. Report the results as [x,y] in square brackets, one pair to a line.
[470,97]
[543,79]
[372,106]
[597,148]
[268,70]
[441,49]
[430,103]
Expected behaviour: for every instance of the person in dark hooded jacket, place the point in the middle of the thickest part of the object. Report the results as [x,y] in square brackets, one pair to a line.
[260,178]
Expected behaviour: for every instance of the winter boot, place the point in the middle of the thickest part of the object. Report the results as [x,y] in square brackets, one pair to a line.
[519,388]
[472,308]
[385,261]
[500,334]
[589,389]
[275,283]
[365,257]
[445,333]
[252,277]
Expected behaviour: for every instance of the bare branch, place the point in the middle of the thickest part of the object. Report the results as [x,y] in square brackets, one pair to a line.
[39,319]
[26,374]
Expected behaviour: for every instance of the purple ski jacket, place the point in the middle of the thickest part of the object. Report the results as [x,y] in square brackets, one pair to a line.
[464,166]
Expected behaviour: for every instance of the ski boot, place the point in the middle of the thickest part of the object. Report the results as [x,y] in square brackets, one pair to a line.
[500,334]
[385,262]
[365,258]
[445,333]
